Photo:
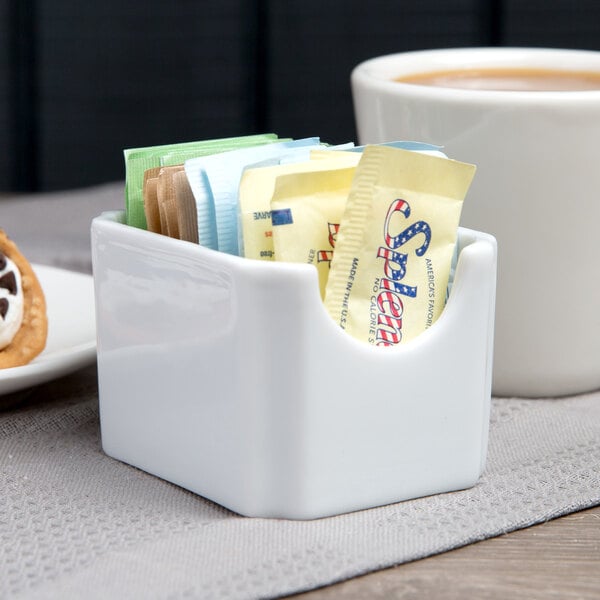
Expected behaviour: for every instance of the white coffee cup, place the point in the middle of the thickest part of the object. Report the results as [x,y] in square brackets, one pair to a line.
[537,189]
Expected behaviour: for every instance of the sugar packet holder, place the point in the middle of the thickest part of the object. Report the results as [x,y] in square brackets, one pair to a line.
[226,376]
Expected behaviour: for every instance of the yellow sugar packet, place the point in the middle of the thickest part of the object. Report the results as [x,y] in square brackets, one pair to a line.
[306,209]
[255,192]
[394,248]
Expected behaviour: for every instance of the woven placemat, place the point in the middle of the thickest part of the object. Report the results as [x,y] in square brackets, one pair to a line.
[75,523]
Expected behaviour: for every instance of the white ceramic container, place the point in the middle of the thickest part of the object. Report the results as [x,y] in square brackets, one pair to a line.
[226,376]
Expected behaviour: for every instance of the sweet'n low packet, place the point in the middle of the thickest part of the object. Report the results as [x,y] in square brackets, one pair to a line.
[394,248]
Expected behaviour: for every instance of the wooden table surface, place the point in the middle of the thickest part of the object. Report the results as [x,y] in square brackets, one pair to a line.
[558,559]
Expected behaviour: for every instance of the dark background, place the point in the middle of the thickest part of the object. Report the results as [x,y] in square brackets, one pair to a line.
[80,81]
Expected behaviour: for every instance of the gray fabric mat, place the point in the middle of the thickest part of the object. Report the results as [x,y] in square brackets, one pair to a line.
[77,524]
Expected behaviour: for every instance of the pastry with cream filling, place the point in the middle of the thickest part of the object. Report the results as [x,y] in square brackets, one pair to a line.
[23,320]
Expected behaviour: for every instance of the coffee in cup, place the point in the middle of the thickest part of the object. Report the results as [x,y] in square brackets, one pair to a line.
[509,80]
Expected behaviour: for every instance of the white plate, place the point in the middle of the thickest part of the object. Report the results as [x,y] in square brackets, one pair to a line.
[71,330]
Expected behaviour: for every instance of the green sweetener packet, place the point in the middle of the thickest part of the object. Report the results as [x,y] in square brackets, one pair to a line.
[139,160]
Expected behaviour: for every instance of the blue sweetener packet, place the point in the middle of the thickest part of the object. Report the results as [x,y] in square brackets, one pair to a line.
[215,180]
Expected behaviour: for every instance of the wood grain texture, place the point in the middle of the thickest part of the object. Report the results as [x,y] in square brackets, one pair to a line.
[557,559]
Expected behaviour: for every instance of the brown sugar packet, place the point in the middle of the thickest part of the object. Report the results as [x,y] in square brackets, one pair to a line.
[30,338]
[187,214]
[151,200]
[167,205]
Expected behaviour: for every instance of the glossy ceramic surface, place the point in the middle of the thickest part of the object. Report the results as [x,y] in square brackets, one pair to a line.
[226,376]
